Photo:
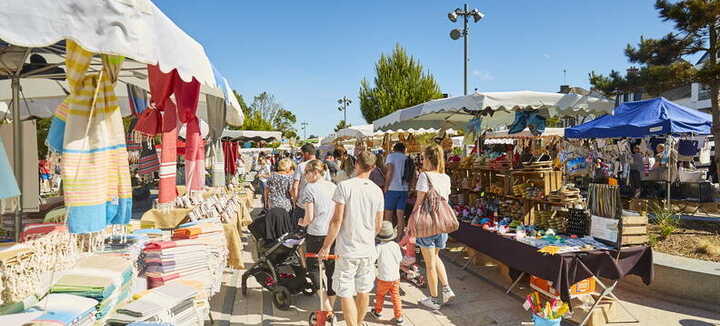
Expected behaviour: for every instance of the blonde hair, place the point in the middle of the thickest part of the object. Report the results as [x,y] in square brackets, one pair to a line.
[435,155]
[315,166]
[366,160]
[285,165]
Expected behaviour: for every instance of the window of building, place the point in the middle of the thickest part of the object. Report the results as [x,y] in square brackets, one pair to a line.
[704,92]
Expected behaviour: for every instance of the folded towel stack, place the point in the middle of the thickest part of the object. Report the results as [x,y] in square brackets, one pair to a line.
[172,303]
[106,278]
[166,261]
[198,252]
[65,310]
[128,246]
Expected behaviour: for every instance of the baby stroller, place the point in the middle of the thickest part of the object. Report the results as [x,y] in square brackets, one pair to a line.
[278,267]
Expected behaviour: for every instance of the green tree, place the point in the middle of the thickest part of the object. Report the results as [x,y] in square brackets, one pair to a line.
[243,106]
[265,113]
[664,62]
[400,82]
[342,125]
[285,122]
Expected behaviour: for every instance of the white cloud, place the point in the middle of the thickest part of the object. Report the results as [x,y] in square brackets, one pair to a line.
[547,56]
[483,75]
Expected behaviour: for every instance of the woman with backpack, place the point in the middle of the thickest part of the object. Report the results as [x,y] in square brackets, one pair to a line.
[430,222]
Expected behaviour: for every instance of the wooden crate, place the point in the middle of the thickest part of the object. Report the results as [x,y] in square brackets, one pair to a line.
[547,180]
[633,230]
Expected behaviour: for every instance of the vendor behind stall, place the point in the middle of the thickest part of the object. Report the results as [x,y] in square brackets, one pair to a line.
[637,166]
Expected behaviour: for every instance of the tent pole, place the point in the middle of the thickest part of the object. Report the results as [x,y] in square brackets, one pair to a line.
[17,152]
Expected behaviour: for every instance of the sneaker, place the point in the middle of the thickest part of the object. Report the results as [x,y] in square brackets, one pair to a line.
[429,303]
[448,296]
[398,321]
[374,314]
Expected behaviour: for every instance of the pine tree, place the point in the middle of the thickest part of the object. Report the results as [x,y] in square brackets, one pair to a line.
[399,83]
[664,62]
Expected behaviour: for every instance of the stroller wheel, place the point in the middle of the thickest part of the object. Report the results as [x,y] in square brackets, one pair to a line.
[312,320]
[281,297]
[243,286]
[309,291]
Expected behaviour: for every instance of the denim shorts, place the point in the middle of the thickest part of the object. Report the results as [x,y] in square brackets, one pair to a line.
[434,241]
[395,200]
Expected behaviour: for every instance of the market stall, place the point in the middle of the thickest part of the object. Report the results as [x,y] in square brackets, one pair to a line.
[635,132]
[514,200]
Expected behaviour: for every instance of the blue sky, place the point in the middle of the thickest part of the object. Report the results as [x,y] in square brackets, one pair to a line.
[310,53]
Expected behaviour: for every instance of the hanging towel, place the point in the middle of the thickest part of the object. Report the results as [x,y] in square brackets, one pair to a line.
[8,184]
[87,130]
[148,162]
[187,95]
[138,99]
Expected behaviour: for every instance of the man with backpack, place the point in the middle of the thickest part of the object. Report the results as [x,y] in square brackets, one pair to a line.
[399,171]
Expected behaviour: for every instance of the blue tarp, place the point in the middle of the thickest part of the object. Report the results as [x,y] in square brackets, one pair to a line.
[657,116]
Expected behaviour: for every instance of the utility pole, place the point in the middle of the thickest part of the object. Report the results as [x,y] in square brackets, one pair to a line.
[465,34]
[344,102]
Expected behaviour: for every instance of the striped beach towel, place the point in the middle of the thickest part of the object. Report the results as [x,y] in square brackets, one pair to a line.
[87,130]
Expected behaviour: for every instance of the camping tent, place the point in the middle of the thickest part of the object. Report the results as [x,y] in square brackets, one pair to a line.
[450,112]
[656,116]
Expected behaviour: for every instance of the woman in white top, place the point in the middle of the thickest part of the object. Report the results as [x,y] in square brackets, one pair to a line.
[434,176]
[316,198]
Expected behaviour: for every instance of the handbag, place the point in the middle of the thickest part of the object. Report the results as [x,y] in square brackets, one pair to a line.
[433,216]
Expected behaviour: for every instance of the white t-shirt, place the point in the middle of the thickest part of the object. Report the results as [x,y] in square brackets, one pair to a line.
[320,195]
[440,182]
[300,176]
[398,164]
[388,262]
[363,200]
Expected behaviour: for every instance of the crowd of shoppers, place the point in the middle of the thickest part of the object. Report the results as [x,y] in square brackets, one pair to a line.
[355,206]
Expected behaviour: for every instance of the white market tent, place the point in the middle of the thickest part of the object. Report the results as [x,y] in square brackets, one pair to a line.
[253,135]
[136,30]
[525,133]
[450,112]
[355,131]
[503,137]
[40,97]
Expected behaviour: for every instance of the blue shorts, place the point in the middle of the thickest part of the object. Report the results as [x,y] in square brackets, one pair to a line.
[395,200]
[434,241]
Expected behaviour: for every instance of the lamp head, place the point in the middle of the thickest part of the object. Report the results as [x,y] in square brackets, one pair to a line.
[477,15]
[452,16]
[455,34]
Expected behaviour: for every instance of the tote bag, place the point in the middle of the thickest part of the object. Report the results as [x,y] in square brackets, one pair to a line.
[433,216]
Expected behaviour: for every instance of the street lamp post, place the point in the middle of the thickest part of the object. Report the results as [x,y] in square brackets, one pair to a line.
[304,128]
[344,103]
[464,33]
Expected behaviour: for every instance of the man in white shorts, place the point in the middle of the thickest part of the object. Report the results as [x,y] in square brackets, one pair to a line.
[359,206]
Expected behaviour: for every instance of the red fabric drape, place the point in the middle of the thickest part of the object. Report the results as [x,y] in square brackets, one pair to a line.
[187,95]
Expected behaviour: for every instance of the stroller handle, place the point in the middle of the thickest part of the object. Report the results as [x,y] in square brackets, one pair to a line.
[312,255]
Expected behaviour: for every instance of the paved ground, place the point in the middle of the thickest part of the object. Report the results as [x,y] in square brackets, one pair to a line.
[480,301]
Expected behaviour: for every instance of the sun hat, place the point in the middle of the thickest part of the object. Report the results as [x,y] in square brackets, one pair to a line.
[387,232]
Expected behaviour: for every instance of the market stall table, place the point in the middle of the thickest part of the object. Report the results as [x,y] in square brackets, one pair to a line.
[565,269]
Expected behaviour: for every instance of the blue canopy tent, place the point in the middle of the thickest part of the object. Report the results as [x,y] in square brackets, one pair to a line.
[652,117]
[656,116]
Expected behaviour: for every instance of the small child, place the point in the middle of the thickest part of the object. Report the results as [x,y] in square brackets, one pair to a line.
[388,275]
